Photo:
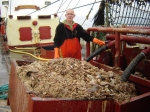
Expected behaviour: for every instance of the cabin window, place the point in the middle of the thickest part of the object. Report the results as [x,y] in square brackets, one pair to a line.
[23,17]
[44,16]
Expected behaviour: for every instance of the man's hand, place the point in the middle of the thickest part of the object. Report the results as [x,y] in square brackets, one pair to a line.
[56,52]
[99,42]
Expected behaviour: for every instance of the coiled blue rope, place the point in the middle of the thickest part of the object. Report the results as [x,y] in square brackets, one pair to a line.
[4,92]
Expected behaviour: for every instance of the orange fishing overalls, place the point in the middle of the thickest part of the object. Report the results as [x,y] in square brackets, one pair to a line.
[71,47]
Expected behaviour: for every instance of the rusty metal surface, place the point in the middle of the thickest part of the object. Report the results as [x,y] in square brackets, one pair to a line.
[124,55]
[146,69]
[137,104]
[56,105]
[17,98]
[138,39]
[117,48]
[120,30]
[47,52]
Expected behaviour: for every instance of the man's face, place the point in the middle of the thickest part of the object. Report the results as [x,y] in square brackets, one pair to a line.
[70,15]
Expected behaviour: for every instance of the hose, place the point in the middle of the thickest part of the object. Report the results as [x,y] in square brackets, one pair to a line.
[131,66]
[18,48]
[101,49]
[39,58]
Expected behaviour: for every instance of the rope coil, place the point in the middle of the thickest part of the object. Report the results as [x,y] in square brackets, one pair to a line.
[4,92]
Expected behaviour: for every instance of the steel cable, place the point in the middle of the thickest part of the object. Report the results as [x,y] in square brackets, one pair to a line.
[66,8]
[60,6]
[89,13]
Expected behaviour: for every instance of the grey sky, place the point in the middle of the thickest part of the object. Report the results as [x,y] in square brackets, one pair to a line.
[81,12]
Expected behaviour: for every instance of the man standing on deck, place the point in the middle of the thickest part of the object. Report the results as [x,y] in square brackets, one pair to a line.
[67,38]
[2,29]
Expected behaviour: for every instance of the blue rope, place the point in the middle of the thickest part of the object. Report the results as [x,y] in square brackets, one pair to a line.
[4,92]
[4,96]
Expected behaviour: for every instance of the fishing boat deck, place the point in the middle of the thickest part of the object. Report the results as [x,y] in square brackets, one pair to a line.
[3,69]
[4,78]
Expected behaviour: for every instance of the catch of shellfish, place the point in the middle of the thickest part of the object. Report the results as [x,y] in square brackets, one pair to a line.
[75,79]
